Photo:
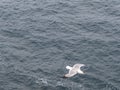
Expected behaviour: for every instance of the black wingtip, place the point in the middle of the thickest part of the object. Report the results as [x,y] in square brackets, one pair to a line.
[64,77]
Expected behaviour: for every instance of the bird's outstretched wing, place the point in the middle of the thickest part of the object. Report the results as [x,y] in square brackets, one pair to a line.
[71,73]
[77,66]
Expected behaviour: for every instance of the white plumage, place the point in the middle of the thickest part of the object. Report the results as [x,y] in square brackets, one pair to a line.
[74,70]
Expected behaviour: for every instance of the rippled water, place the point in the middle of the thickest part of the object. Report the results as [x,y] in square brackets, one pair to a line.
[38,38]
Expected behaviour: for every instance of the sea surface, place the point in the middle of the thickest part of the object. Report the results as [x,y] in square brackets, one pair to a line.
[38,38]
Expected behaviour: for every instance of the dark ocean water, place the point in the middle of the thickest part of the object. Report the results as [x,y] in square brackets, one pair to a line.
[38,38]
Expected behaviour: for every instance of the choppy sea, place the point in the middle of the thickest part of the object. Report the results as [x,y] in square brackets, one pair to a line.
[38,38]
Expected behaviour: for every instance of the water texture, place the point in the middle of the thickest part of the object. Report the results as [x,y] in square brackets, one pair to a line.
[38,38]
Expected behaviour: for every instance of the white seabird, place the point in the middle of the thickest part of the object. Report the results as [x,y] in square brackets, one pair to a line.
[74,70]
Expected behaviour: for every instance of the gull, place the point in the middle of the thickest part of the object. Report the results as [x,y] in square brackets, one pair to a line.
[74,70]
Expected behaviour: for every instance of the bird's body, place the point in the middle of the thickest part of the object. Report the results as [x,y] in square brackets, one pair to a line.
[74,70]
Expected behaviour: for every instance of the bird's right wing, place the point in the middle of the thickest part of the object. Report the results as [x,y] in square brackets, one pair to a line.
[77,66]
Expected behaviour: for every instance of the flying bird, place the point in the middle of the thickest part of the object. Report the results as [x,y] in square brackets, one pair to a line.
[74,70]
